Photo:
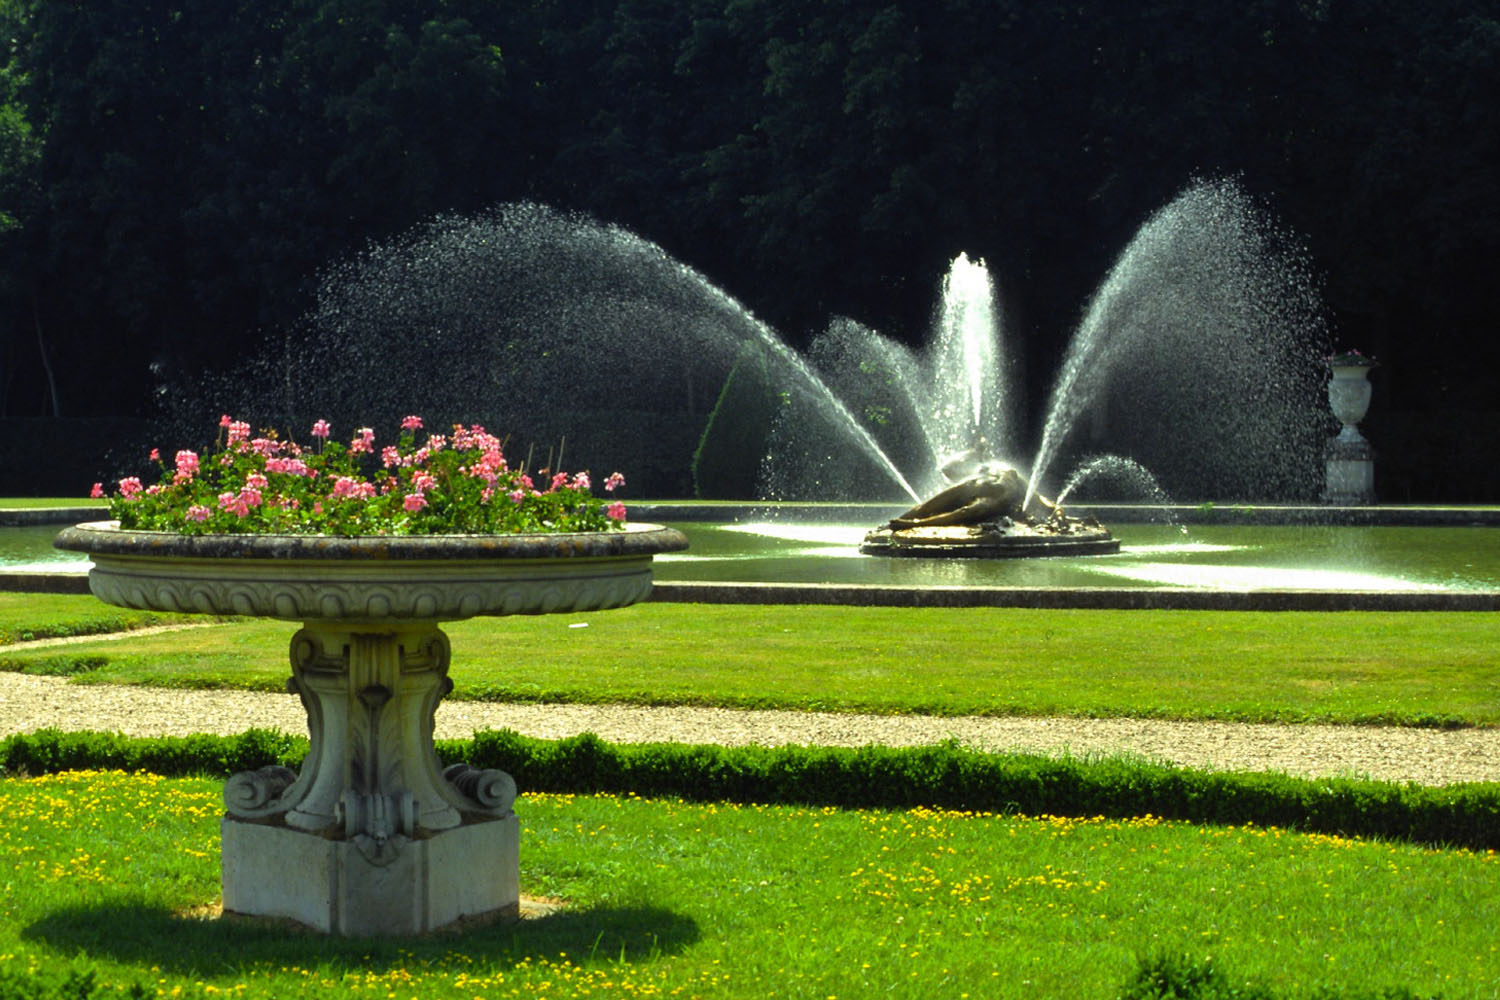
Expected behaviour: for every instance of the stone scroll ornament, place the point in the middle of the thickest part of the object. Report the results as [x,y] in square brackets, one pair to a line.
[371,775]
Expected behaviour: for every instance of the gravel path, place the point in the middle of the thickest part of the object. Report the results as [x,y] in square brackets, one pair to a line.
[1395,754]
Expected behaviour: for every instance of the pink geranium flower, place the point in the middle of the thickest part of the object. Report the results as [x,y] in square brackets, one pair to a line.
[268,484]
[187,467]
[234,504]
[289,466]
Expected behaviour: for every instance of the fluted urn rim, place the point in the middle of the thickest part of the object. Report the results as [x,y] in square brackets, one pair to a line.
[370,579]
[109,539]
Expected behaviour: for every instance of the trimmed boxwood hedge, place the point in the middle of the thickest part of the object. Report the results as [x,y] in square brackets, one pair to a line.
[944,776]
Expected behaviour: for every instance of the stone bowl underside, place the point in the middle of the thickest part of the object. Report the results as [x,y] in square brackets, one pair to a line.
[986,541]
[370,579]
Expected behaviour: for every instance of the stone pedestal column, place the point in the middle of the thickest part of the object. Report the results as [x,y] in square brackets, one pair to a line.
[1350,461]
[373,837]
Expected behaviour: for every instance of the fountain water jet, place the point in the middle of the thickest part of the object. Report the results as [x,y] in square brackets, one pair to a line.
[1208,321]
[523,317]
[1198,351]
[1197,358]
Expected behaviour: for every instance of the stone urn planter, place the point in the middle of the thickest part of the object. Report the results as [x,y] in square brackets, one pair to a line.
[374,836]
[1350,461]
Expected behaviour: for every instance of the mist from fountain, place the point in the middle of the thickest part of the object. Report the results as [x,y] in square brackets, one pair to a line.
[1135,477]
[1198,358]
[1202,342]
[1210,325]
[954,396]
[523,317]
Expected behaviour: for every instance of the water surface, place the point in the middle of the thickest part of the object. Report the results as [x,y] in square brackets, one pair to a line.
[1217,557]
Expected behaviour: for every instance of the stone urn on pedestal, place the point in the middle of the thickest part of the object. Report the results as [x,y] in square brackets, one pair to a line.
[374,835]
[1350,461]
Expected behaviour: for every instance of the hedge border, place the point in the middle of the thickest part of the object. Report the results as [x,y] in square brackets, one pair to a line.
[945,776]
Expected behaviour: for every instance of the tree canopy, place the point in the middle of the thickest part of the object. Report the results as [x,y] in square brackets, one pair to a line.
[175,173]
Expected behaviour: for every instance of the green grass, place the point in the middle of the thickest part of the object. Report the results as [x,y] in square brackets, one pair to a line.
[31,503]
[24,617]
[1349,667]
[112,874]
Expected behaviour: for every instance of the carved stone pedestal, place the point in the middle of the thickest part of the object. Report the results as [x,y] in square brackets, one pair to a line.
[1349,459]
[374,836]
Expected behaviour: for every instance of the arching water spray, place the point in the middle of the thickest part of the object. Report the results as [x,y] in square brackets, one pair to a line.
[1135,479]
[525,317]
[1200,351]
[1208,328]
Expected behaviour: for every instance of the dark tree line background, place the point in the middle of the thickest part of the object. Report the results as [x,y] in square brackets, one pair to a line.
[173,175]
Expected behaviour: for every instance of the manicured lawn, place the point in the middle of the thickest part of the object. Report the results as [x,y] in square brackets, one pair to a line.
[115,872]
[1354,667]
[24,617]
[32,503]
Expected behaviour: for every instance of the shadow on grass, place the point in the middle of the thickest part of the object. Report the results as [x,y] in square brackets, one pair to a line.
[148,934]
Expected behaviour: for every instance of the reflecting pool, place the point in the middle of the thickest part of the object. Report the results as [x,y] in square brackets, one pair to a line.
[1215,557]
[1219,557]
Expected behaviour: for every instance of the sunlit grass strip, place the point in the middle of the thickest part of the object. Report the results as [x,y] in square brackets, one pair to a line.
[667,898]
[1349,667]
[24,617]
[35,503]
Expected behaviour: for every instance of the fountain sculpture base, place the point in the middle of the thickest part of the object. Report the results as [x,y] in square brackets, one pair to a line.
[991,514]
[990,541]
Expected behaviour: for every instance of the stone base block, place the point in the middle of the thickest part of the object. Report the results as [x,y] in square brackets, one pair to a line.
[330,886]
[1349,481]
